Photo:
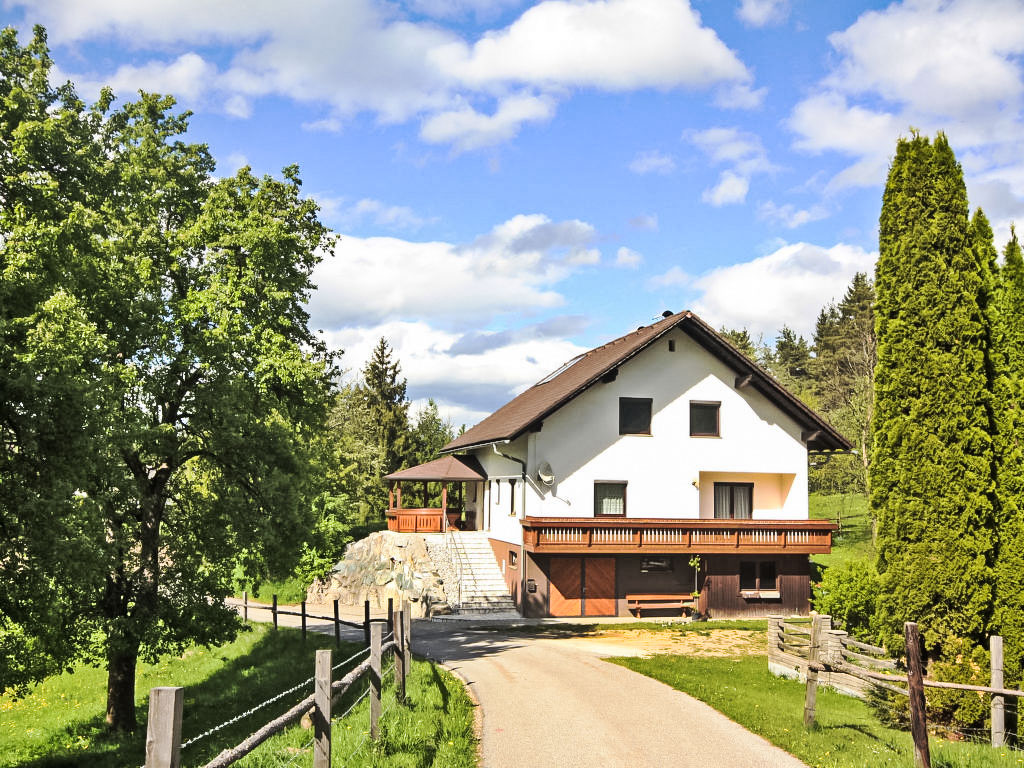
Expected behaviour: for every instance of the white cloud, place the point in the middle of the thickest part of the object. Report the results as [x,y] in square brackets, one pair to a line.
[186,77]
[652,161]
[327,125]
[951,65]
[628,258]
[514,268]
[786,287]
[789,215]
[467,386]
[740,96]
[675,276]
[468,129]
[238,106]
[742,151]
[614,45]
[730,189]
[761,13]
[234,161]
[362,56]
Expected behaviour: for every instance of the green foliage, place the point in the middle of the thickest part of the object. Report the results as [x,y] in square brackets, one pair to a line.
[848,734]
[163,310]
[961,662]
[933,462]
[60,723]
[849,595]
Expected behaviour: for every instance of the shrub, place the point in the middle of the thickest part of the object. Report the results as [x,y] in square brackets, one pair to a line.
[848,594]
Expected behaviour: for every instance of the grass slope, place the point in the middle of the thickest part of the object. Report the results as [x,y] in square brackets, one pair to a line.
[60,723]
[848,734]
[853,540]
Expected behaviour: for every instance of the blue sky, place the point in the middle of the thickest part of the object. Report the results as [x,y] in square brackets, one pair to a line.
[516,182]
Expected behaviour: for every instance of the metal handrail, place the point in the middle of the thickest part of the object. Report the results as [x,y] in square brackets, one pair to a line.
[456,553]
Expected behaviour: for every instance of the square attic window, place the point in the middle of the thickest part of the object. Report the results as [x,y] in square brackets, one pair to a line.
[704,419]
[635,415]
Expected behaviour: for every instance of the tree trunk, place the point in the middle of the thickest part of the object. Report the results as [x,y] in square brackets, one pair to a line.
[122,656]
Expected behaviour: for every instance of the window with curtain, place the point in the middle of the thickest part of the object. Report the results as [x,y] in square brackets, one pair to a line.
[609,499]
[734,501]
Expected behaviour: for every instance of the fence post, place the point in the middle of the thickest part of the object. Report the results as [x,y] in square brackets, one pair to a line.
[366,621]
[322,711]
[337,626]
[998,712]
[406,637]
[303,621]
[400,651]
[391,615]
[245,605]
[375,669]
[811,691]
[915,689]
[163,730]
[274,609]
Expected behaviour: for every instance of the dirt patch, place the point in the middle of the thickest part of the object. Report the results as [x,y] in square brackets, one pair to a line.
[642,642]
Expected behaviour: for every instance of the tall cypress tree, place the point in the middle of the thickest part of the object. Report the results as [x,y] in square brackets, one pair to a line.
[932,474]
[1008,613]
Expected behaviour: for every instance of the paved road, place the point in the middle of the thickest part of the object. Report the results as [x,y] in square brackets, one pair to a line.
[548,703]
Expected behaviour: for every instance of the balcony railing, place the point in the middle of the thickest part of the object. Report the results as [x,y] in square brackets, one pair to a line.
[554,535]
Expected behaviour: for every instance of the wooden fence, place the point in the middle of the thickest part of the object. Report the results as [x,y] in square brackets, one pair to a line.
[336,618]
[810,650]
[163,735]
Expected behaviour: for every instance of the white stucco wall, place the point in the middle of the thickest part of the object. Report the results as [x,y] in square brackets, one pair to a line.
[581,441]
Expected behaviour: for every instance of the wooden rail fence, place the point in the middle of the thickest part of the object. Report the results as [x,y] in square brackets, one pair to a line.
[810,650]
[163,735]
[364,625]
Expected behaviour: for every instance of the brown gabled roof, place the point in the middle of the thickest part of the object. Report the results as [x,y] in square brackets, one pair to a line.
[451,468]
[531,407]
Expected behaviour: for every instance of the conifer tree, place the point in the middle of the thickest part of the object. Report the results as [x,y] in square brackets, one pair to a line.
[932,469]
[384,394]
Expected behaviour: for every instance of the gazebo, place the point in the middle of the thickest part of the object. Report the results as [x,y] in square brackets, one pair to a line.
[425,519]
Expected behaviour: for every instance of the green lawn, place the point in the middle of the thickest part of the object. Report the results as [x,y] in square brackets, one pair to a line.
[853,540]
[290,591]
[60,723]
[848,734]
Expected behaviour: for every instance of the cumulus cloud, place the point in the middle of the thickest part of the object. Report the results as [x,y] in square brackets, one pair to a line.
[467,383]
[514,268]
[950,65]
[785,287]
[628,258]
[652,161]
[358,56]
[761,13]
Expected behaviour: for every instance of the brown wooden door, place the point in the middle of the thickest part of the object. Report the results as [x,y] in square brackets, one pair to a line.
[599,578]
[566,586]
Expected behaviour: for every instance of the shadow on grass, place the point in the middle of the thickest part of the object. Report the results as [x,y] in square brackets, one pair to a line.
[441,687]
[277,661]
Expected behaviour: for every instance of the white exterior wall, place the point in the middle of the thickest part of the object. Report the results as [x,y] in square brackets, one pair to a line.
[758,442]
[496,501]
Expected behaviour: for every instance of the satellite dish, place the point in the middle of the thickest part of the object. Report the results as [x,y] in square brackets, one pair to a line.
[546,474]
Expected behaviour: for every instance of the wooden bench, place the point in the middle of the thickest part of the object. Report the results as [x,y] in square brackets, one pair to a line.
[639,602]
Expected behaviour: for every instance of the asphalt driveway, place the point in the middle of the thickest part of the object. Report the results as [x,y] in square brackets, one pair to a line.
[548,703]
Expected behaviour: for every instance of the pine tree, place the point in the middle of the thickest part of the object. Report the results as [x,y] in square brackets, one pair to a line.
[933,464]
[384,394]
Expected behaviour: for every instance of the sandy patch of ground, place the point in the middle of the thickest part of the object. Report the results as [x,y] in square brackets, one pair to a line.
[643,642]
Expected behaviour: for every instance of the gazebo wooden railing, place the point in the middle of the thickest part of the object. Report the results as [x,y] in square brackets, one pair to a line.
[448,470]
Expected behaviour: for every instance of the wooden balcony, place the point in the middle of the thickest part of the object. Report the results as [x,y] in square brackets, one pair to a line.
[422,520]
[565,535]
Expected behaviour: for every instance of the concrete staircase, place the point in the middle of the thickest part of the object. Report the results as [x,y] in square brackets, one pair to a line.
[483,586]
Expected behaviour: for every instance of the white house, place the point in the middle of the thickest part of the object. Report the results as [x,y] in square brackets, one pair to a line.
[602,484]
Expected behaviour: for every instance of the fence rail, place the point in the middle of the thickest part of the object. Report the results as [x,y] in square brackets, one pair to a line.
[821,655]
[163,737]
[364,625]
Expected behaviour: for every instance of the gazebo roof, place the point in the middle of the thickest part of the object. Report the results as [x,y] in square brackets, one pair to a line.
[453,468]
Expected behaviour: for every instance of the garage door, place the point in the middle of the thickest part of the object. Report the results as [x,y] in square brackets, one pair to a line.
[582,586]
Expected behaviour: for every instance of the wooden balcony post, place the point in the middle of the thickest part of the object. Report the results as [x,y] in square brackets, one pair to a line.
[444,499]
[399,496]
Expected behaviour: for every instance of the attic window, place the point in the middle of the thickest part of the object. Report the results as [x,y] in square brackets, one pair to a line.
[704,419]
[671,345]
[635,415]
